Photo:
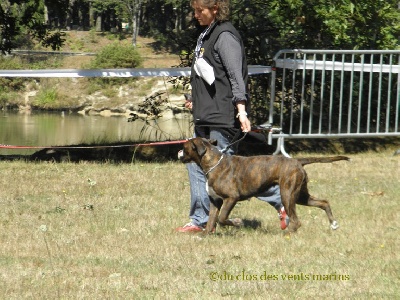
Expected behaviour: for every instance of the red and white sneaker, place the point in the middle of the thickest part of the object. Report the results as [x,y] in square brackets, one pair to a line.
[190,227]
[284,218]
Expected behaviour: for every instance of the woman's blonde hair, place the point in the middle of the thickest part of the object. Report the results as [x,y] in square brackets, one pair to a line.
[223,7]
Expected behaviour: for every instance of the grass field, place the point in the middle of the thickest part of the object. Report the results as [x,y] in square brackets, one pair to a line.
[106,231]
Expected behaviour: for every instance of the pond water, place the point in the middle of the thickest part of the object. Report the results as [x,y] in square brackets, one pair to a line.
[61,129]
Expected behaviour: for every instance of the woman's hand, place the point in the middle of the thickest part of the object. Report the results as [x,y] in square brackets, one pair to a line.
[188,104]
[242,115]
[245,124]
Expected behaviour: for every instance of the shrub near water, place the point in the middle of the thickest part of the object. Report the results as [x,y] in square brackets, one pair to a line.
[117,56]
[46,98]
[114,56]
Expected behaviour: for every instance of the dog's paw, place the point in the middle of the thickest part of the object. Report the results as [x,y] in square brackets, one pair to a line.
[334,225]
[237,222]
[208,231]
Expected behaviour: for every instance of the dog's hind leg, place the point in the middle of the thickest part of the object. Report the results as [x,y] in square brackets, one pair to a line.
[308,200]
[294,223]
[288,198]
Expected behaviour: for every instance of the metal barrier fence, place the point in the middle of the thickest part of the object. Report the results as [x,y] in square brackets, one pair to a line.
[334,94]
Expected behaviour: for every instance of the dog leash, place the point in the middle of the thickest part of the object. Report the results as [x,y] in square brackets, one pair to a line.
[234,141]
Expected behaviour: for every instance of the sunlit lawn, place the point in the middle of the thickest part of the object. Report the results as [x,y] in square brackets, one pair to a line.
[106,231]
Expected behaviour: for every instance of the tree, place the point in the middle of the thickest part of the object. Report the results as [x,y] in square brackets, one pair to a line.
[338,24]
[124,9]
[180,8]
[25,16]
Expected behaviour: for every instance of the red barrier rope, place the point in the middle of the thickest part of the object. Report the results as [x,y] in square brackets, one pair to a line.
[2,146]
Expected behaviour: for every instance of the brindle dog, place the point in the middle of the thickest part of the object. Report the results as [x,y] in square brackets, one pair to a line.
[234,178]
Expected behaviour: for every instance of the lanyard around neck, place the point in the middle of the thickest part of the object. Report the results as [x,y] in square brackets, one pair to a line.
[199,50]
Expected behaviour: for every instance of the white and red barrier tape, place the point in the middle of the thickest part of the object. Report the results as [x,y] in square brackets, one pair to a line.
[136,72]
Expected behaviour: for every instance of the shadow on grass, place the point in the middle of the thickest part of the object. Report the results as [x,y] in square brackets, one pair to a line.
[248,225]
[126,153]
[251,224]
[349,146]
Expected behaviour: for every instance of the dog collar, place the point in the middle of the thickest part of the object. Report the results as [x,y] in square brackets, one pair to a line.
[216,165]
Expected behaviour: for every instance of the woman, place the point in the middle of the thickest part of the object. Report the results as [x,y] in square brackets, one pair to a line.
[219,101]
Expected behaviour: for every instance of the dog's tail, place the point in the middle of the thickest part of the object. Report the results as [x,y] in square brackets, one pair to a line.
[311,160]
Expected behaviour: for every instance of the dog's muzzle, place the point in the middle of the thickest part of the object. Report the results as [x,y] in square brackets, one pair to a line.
[180,154]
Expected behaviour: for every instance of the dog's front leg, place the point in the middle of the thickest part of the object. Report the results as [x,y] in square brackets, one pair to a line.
[215,206]
[226,209]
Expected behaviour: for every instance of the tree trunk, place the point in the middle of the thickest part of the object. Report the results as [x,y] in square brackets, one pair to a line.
[46,15]
[91,15]
[69,19]
[177,20]
[135,13]
[99,21]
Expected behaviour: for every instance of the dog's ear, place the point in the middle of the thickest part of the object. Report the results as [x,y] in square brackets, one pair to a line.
[213,142]
[199,146]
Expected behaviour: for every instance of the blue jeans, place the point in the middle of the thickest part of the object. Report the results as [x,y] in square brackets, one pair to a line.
[199,199]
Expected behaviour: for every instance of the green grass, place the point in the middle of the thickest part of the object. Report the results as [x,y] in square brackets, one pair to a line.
[106,231]
[47,97]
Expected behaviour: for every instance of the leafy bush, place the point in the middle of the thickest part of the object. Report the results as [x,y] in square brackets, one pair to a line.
[117,55]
